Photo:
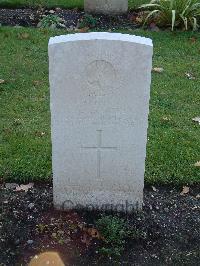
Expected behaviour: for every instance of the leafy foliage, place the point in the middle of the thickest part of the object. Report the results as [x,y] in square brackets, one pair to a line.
[50,21]
[88,21]
[177,13]
[114,232]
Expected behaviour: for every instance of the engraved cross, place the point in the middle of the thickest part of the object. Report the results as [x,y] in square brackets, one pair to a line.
[99,148]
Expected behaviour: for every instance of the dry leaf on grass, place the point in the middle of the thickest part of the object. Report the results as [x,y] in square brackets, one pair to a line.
[158,69]
[40,134]
[23,36]
[185,191]
[165,118]
[189,76]
[197,164]
[193,39]
[37,82]
[196,119]
[24,187]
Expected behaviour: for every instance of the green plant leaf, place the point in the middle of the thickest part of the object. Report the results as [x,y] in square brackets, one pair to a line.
[185,21]
[173,18]
[195,25]
[150,15]
[177,13]
[149,5]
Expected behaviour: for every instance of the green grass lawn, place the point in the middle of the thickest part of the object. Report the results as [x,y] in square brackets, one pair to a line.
[56,3]
[174,142]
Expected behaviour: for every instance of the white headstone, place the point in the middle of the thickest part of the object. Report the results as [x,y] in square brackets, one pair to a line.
[106,6]
[100,87]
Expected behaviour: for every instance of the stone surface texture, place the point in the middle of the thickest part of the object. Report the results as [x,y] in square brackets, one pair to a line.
[100,89]
[106,6]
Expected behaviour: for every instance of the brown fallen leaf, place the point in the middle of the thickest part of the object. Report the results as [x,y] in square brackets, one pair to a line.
[158,69]
[83,30]
[37,82]
[139,20]
[132,17]
[24,187]
[185,191]
[2,81]
[154,189]
[196,119]
[92,232]
[193,39]
[197,164]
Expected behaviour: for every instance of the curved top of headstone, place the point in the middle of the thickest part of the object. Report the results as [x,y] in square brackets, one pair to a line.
[100,36]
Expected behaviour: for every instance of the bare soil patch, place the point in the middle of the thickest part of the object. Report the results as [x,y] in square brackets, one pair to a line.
[169,227]
[27,17]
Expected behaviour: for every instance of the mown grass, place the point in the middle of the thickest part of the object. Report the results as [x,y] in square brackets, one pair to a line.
[174,142]
[57,3]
